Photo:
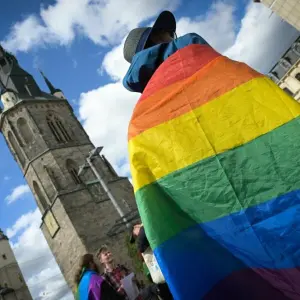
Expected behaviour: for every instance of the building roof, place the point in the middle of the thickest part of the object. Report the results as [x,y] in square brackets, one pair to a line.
[2,235]
[290,56]
[13,78]
[50,86]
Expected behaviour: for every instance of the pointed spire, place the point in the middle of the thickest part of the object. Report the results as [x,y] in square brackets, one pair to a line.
[51,88]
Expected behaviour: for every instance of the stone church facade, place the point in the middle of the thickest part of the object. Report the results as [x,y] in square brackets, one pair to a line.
[49,144]
[12,283]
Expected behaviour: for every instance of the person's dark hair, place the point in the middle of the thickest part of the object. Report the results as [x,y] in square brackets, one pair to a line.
[156,31]
[84,263]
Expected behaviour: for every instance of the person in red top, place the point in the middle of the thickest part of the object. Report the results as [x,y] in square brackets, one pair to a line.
[114,273]
[90,284]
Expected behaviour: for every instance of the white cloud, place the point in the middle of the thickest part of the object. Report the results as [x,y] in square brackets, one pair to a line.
[38,266]
[17,193]
[217,26]
[103,22]
[49,284]
[261,39]
[114,63]
[106,111]
[25,34]
[23,222]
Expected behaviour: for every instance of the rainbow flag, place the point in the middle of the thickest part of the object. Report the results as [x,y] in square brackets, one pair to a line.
[90,286]
[214,150]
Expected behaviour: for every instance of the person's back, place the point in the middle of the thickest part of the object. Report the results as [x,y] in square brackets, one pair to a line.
[213,149]
[138,235]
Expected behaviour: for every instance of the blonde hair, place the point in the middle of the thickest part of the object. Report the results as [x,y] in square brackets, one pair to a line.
[102,249]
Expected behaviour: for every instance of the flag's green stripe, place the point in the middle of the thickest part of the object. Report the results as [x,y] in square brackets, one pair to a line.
[251,174]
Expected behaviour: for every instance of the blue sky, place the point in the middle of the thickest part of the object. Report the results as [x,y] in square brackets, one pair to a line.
[78,45]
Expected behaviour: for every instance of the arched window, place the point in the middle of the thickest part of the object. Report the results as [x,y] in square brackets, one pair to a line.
[3,62]
[64,132]
[296,48]
[288,60]
[24,130]
[73,171]
[57,128]
[285,63]
[297,76]
[15,148]
[52,177]
[288,91]
[40,197]
[274,76]
[55,132]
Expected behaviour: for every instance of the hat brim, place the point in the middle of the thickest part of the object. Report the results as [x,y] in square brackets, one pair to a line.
[165,21]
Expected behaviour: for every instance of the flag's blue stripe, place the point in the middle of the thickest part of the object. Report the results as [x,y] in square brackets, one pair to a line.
[83,288]
[264,236]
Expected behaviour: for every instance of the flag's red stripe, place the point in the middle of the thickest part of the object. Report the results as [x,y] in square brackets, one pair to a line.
[193,58]
[210,82]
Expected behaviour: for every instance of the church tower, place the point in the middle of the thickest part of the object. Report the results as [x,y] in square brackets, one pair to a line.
[49,144]
[12,284]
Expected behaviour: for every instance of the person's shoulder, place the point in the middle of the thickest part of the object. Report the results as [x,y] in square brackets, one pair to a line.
[97,279]
[142,241]
[105,274]
[122,267]
[192,38]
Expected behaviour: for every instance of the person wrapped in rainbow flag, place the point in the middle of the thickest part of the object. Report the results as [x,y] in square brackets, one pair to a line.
[90,285]
[215,162]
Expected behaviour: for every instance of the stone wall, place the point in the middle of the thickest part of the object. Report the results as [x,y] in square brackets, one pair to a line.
[77,216]
[10,276]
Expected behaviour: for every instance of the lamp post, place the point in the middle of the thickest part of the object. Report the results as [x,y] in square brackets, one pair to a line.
[89,163]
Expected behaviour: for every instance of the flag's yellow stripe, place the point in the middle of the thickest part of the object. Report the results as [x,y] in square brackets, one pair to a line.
[216,78]
[233,119]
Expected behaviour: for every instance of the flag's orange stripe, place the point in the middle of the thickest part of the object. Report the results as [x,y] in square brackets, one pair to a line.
[193,57]
[210,82]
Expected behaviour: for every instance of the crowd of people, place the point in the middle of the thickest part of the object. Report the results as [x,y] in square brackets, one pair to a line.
[92,284]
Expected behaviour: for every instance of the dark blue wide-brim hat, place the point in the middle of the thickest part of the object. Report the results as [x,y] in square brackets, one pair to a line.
[138,37]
